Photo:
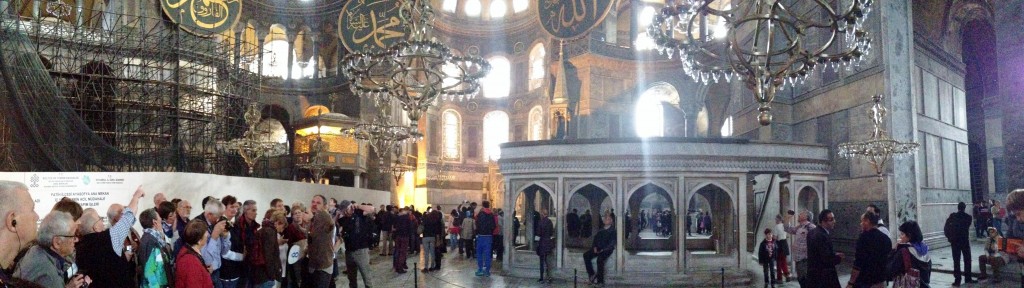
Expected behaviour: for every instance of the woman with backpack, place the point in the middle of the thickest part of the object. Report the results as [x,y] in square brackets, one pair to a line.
[909,265]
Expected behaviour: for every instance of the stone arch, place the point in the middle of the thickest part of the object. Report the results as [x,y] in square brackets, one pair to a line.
[595,195]
[532,183]
[281,114]
[958,16]
[723,213]
[526,210]
[648,121]
[809,199]
[660,238]
[97,89]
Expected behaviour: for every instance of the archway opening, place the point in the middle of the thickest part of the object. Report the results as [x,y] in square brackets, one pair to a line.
[807,200]
[649,220]
[981,82]
[713,224]
[526,216]
[585,208]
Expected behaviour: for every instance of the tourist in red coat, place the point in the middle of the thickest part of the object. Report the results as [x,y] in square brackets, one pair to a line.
[190,271]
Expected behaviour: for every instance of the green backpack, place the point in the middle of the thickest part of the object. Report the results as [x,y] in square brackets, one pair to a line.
[154,274]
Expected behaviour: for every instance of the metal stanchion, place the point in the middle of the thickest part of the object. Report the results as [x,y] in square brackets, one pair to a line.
[574,277]
[723,277]
[415,275]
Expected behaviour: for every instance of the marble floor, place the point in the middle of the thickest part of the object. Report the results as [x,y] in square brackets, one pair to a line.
[459,272]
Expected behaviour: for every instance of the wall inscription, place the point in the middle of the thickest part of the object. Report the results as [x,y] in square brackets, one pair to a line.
[203,17]
[370,25]
[573,18]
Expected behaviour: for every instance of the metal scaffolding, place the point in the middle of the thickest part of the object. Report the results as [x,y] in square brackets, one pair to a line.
[100,91]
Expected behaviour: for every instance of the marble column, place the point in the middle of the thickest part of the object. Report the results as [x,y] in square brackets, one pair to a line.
[292,35]
[261,39]
[1010,53]
[79,4]
[237,50]
[611,27]
[36,4]
[356,181]
[897,52]
[315,59]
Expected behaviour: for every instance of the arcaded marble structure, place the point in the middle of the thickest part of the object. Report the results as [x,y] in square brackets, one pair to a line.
[549,173]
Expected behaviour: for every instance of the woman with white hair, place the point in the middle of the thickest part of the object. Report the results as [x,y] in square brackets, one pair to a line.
[45,263]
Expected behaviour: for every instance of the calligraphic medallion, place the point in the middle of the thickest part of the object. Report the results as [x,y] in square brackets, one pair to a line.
[371,25]
[203,17]
[570,19]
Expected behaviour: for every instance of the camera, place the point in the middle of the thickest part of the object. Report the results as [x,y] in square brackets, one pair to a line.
[227,224]
[791,212]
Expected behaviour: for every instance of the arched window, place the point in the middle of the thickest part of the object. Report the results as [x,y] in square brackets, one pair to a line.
[520,5]
[498,82]
[537,66]
[536,124]
[727,127]
[649,117]
[644,41]
[275,63]
[498,8]
[472,8]
[451,134]
[495,133]
[450,5]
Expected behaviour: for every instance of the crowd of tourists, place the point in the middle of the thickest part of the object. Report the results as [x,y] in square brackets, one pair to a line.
[232,243]
[229,243]
[878,261]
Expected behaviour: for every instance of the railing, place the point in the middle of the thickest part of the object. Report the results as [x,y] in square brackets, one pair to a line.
[598,46]
[761,211]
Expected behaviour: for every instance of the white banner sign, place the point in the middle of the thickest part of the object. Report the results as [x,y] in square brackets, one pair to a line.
[91,190]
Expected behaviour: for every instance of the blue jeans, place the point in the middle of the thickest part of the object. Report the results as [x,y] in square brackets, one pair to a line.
[215,275]
[228,283]
[453,241]
[998,223]
[483,253]
[268,284]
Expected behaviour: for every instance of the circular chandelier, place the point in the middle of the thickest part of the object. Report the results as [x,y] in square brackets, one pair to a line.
[384,137]
[767,44]
[416,72]
[255,143]
[58,8]
[880,148]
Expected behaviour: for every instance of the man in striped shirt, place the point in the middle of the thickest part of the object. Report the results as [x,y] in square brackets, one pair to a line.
[800,244]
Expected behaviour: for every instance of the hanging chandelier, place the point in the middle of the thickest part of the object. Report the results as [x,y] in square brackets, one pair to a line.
[58,8]
[316,163]
[416,72]
[254,143]
[767,44]
[881,148]
[397,169]
[385,137]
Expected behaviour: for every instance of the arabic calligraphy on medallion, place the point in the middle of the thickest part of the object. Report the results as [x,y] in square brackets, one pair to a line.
[203,17]
[567,19]
[367,25]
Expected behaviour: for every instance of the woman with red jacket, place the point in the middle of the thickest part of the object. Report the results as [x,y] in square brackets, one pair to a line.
[190,271]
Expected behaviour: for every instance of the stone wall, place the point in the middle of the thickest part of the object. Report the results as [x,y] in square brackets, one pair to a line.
[944,173]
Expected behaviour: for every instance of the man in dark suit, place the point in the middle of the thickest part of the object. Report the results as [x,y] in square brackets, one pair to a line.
[822,258]
[872,254]
[959,240]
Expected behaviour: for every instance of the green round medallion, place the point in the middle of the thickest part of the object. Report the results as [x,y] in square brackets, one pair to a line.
[568,19]
[203,17]
[370,25]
